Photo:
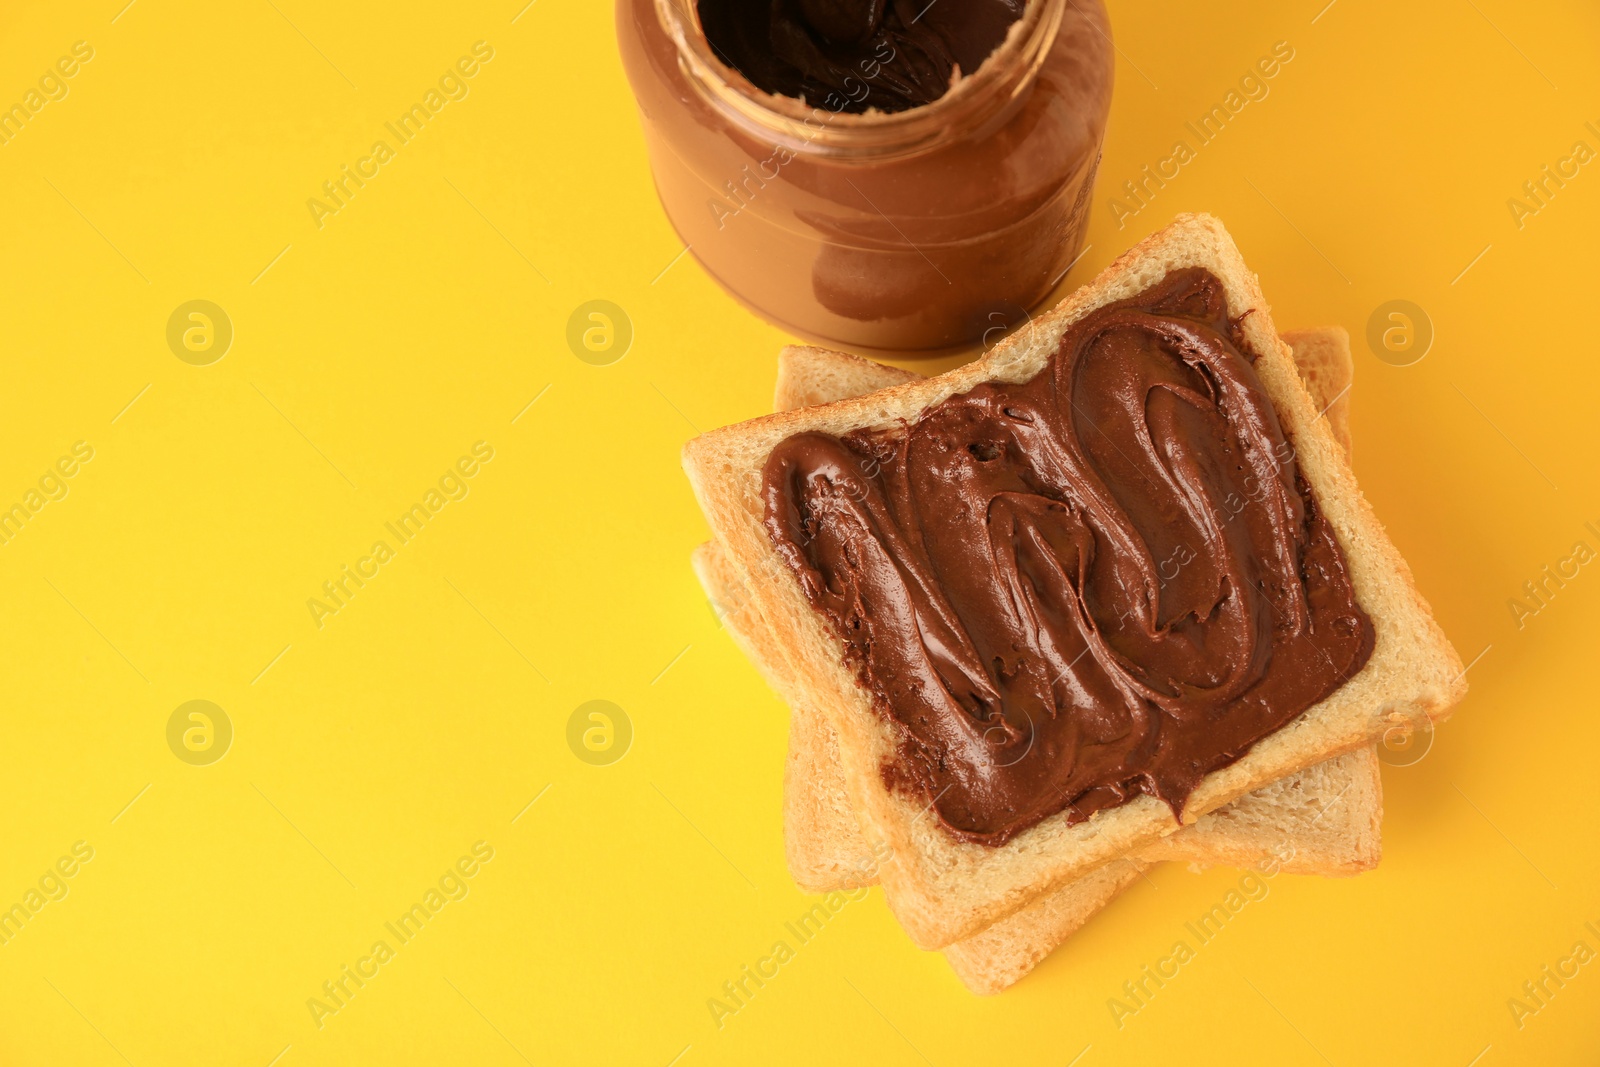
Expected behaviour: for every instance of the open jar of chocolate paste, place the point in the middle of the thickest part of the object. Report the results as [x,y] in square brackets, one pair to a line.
[897,175]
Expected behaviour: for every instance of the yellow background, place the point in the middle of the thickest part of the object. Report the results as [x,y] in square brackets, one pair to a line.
[428,712]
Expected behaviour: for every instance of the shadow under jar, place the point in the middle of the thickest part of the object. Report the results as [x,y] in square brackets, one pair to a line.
[914,230]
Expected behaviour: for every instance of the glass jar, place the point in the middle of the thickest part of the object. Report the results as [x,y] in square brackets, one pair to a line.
[922,229]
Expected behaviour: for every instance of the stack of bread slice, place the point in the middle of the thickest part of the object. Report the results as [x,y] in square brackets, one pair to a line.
[1306,799]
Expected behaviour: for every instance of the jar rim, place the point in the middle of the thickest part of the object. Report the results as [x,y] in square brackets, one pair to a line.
[791,122]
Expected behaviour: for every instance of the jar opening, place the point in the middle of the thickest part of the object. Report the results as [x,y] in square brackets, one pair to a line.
[816,128]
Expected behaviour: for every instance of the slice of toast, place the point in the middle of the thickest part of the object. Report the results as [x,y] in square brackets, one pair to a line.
[943,889]
[808,376]
[1325,821]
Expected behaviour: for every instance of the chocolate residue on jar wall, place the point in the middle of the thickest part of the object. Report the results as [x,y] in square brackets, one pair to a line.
[902,52]
[1108,580]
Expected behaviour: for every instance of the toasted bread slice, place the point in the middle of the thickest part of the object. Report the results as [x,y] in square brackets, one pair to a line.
[943,889]
[808,376]
[1324,821]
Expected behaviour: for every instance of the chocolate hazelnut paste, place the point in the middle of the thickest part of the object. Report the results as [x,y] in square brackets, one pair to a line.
[811,48]
[1108,580]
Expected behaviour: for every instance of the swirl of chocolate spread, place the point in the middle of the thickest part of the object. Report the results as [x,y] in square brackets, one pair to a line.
[859,54]
[1105,581]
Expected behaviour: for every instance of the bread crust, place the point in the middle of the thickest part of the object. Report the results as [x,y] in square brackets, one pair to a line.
[943,889]
[997,958]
